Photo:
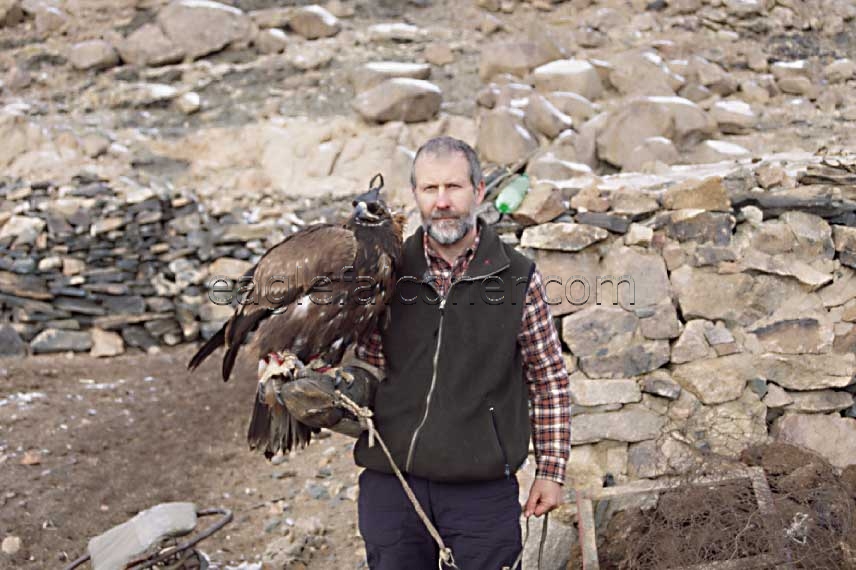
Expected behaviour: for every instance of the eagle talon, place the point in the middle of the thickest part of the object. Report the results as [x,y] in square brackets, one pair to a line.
[279,398]
[343,376]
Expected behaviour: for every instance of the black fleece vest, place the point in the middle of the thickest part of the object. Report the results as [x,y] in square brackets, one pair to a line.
[454,404]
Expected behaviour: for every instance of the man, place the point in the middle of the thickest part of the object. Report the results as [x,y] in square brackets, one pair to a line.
[469,346]
[450,389]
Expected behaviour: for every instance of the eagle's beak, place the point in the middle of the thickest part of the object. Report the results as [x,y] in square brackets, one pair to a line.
[362,212]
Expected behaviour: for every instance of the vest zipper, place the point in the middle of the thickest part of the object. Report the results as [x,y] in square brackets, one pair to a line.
[433,383]
[442,306]
[499,440]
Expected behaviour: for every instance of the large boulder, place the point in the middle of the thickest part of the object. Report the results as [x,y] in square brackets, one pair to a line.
[572,104]
[503,138]
[200,27]
[710,151]
[93,54]
[268,18]
[313,22]
[50,19]
[148,45]
[374,73]
[831,436]
[400,99]
[574,75]
[787,265]
[674,118]
[271,40]
[643,73]
[652,151]
[690,122]
[19,135]
[840,70]
[544,117]
[550,167]
[516,58]
[630,126]
[733,117]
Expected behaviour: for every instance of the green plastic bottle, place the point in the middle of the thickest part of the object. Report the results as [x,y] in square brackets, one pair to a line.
[512,195]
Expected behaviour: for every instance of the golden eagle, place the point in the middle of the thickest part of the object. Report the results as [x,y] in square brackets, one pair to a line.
[310,297]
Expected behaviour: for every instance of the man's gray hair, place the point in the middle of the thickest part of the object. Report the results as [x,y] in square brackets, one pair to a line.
[442,146]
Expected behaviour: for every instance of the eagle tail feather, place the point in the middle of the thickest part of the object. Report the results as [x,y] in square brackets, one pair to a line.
[210,346]
[237,331]
[275,430]
[258,434]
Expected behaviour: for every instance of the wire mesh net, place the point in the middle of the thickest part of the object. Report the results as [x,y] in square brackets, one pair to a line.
[812,524]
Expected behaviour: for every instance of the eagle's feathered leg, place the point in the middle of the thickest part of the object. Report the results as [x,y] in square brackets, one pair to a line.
[272,427]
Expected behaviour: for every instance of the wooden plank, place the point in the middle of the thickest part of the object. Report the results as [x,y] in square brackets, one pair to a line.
[762,490]
[588,533]
[663,484]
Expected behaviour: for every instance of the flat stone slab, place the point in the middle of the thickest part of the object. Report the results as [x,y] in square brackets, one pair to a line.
[121,544]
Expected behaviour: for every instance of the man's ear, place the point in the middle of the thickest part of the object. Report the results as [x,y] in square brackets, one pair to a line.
[480,192]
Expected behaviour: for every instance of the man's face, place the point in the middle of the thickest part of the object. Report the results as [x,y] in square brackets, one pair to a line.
[445,196]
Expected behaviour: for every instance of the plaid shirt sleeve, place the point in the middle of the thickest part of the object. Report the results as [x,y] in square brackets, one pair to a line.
[548,384]
[370,349]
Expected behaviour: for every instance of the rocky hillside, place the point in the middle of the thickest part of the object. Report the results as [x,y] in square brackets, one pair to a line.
[699,152]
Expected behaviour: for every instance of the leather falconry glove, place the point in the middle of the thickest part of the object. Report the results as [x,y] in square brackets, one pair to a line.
[311,397]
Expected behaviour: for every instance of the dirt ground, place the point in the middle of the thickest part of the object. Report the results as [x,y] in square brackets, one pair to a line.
[112,437]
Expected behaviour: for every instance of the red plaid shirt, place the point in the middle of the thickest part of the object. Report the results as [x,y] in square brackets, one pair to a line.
[544,368]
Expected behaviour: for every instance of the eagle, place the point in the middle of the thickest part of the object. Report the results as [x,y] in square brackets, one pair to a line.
[309,298]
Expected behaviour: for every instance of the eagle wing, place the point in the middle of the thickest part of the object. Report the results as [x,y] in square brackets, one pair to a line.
[283,276]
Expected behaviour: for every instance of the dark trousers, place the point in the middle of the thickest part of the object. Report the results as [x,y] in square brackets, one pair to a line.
[480,522]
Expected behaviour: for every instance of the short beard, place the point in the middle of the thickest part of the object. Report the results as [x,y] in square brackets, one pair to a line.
[450,231]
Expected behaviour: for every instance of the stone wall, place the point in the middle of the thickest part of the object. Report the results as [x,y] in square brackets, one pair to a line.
[733,318]
[87,268]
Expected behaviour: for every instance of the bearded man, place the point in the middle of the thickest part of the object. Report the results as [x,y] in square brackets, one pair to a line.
[473,366]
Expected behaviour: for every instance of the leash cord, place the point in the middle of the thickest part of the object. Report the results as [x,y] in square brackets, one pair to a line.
[541,542]
[365,417]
